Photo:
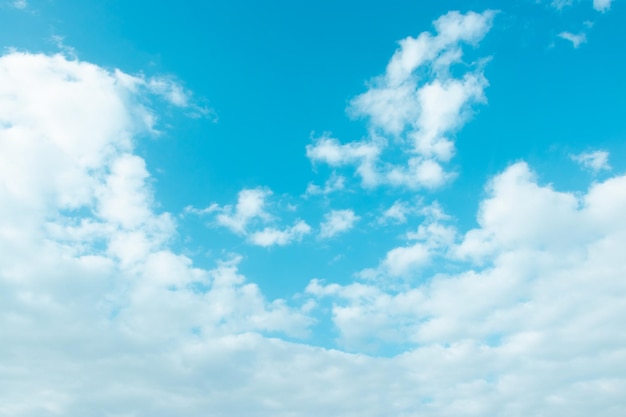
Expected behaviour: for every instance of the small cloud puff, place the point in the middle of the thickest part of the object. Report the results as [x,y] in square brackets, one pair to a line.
[336,222]
[271,236]
[250,212]
[575,39]
[595,161]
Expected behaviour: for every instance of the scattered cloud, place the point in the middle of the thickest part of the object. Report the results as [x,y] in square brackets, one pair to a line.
[417,105]
[524,317]
[271,236]
[251,204]
[575,39]
[595,161]
[333,184]
[337,222]
[397,213]
[249,215]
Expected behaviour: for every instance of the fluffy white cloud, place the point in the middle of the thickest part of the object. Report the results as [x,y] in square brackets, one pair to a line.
[364,155]
[337,222]
[419,103]
[250,206]
[575,39]
[547,276]
[88,285]
[538,316]
[396,213]
[271,236]
[250,214]
[100,317]
[596,161]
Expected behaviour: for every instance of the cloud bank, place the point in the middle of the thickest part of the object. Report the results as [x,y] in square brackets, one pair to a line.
[101,317]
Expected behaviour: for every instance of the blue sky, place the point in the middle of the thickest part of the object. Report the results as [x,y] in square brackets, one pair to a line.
[279,208]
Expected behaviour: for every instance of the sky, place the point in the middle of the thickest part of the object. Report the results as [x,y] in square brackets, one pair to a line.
[282,208]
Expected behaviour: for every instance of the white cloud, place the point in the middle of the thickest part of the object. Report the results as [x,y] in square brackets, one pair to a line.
[575,39]
[430,239]
[397,213]
[271,236]
[596,161]
[550,290]
[248,216]
[250,206]
[336,222]
[417,105]
[333,184]
[602,5]
[89,286]
[364,155]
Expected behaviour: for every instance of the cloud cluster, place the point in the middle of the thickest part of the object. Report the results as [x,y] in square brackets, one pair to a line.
[99,315]
[417,105]
[88,285]
[538,298]
[250,213]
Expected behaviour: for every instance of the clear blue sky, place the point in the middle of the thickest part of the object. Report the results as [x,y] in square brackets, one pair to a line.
[390,180]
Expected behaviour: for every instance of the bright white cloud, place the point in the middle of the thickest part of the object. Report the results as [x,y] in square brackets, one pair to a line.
[250,214]
[90,286]
[418,103]
[337,222]
[364,155]
[397,213]
[596,161]
[250,206]
[271,236]
[548,288]
[575,39]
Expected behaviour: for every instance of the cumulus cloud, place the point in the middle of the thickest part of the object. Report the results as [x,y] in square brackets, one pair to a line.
[88,284]
[397,213]
[336,222]
[270,236]
[250,206]
[99,315]
[595,161]
[248,216]
[417,105]
[575,39]
[545,284]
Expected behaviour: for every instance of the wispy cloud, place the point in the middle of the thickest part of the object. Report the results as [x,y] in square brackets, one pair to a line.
[596,161]
[575,39]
